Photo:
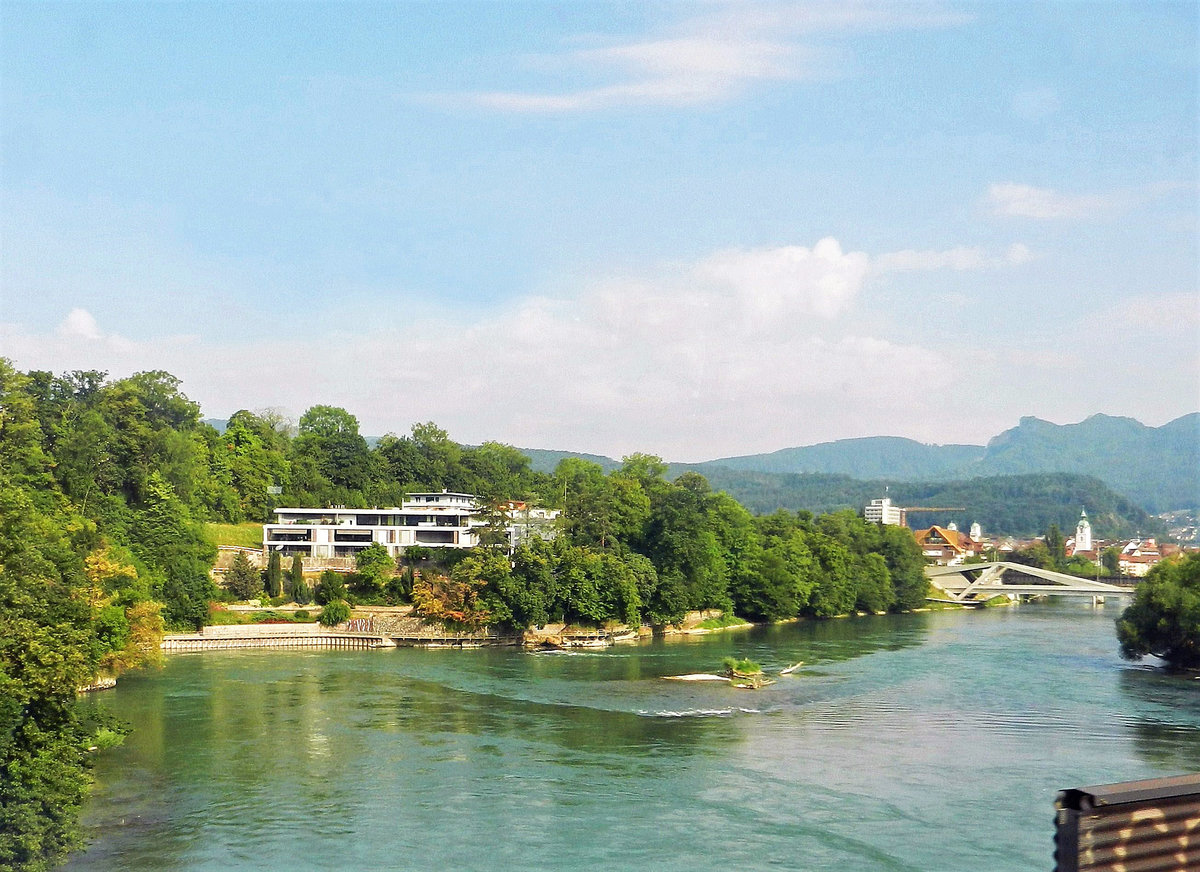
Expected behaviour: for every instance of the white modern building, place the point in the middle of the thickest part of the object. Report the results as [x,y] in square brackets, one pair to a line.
[883,512]
[437,520]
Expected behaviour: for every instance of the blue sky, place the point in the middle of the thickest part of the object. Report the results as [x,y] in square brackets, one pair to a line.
[688,229]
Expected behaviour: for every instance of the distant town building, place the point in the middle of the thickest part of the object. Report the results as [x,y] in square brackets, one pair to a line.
[1083,532]
[976,531]
[883,512]
[946,546]
[440,520]
[1139,556]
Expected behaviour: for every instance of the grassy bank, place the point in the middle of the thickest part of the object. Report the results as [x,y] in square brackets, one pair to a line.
[246,535]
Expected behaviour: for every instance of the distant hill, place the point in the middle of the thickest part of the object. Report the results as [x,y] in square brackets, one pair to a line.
[868,457]
[1159,467]
[1014,505]
[544,460]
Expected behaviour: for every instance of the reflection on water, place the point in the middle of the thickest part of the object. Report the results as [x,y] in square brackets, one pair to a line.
[863,759]
[1171,740]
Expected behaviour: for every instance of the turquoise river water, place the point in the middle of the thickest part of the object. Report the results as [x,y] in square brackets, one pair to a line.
[932,741]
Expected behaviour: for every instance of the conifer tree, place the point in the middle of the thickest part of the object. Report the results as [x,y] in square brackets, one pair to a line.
[243,580]
[274,575]
[295,577]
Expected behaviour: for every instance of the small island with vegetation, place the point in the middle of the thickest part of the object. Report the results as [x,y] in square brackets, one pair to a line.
[745,673]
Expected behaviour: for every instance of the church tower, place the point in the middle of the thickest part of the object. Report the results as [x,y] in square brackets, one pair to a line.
[1083,533]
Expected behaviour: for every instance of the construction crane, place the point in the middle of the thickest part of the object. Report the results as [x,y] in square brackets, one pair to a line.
[904,510]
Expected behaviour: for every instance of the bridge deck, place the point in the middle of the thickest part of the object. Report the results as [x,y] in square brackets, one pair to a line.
[967,581]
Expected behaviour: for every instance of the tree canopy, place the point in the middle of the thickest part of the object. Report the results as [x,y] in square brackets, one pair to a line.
[1164,617]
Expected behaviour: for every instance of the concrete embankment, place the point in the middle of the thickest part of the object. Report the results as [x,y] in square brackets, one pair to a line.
[272,636]
[356,634]
[394,628]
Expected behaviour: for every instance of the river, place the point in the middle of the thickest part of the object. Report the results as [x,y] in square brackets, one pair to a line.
[932,741]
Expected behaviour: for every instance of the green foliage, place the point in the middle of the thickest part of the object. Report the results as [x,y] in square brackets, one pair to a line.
[1158,467]
[274,579]
[48,646]
[330,588]
[1164,617]
[294,581]
[374,566]
[720,622]
[247,535]
[243,580]
[1016,505]
[734,666]
[301,595]
[335,613]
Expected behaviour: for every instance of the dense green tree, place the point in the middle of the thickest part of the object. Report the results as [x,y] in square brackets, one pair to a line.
[257,460]
[835,592]
[295,577]
[301,594]
[243,580]
[906,564]
[274,580]
[330,588]
[48,647]
[1056,545]
[680,539]
[1164,617]
[328,437]
[600,510]
[440,456]
[374,566]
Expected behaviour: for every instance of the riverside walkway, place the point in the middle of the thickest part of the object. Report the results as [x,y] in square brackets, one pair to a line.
[965,583]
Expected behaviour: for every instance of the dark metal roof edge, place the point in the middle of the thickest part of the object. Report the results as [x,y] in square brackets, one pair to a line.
[1129,791]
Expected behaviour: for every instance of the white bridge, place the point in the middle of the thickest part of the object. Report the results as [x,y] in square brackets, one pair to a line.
[964,583]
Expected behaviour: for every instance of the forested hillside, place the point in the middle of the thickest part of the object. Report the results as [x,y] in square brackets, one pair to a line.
[1013,505]
[1156,467]
[869,457]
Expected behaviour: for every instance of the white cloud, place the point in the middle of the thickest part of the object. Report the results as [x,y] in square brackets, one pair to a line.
[79,323]
[1026,201]
[672,72]
[792,279]
[741,350]
[961,258]
[709,58]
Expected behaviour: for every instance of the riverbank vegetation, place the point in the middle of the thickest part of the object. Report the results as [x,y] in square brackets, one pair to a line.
[114,495]
[1164,617]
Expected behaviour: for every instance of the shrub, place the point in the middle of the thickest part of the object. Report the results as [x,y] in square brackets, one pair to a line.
[300,615]
[330,588]
[744,667]
[335,613]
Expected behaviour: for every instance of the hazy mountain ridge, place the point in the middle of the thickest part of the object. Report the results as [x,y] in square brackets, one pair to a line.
[865,457]
[1158,468]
